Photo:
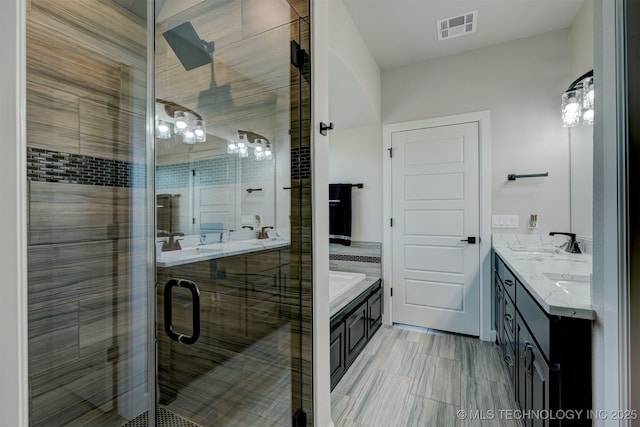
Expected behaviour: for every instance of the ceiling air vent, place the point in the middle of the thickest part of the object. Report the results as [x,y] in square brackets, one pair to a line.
[457,25]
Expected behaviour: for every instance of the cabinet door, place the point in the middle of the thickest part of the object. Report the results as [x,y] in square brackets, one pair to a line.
[374,312]
[521,345]
[337,354]
[356,332]
[538,375]
[533,377]
[498,308]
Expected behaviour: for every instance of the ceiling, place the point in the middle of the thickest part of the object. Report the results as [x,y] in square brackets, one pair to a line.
[402,32]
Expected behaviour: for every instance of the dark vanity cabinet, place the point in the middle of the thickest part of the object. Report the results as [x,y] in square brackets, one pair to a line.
[548,358]
[533,376]
[352,328]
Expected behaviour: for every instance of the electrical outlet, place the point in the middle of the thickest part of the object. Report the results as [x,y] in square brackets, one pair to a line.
[505,221]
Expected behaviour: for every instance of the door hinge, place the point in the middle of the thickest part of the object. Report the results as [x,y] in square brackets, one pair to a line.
[298,55]
[193,172]
[193,220]
[391,289]
[390,222]
[390,152]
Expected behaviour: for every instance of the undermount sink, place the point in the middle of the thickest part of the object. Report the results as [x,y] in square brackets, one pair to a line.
[535,250]
[567,277]
[192,252]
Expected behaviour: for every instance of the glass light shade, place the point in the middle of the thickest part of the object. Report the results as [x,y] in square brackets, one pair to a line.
[163,130]
[181,122]
[243,152]
[258,154]
[232,148]
[268,155]
[200,131]
[571,107]
[588,94]
[587,116]
[189,137]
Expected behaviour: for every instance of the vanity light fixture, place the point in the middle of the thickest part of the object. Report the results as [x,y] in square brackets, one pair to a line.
[250,141]
[578,101]
[172,118]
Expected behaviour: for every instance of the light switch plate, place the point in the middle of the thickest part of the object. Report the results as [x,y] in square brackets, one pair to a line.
[505,221]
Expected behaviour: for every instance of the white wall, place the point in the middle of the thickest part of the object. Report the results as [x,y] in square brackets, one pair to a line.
[320,206]
[355,144]
[581,136]
[581,41]
[354,76]
[609,288]
[521,83]
[355,156]
[13,216]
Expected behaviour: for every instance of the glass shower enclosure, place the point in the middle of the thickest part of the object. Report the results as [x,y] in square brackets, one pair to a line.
[168,193]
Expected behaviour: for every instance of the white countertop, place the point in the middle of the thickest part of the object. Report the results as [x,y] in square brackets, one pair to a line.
[338,303]
[559,281]
[217,250]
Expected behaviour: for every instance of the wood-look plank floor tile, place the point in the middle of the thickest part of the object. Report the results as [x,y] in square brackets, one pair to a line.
[382,401]
[394,383]
[423,412]
[438,379]
[483,361]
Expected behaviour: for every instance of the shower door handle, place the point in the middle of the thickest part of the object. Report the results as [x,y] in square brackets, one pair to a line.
[168,321]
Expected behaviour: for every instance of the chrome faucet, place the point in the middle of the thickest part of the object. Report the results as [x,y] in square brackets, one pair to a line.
[172,244]
[262,234]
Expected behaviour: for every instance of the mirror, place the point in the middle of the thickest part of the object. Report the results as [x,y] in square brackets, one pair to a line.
[581,153]
[239,94]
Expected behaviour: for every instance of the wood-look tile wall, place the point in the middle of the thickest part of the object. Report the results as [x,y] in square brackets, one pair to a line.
[87,236]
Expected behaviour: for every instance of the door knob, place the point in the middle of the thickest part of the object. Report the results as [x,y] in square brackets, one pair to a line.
[470,240]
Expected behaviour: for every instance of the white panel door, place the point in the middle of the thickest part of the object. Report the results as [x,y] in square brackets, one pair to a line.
[435,207]
[215,206]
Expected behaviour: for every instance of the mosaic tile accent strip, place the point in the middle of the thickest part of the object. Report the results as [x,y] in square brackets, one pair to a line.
[55,166]
[356,258]
[301,162]
[219,171]
[164,418]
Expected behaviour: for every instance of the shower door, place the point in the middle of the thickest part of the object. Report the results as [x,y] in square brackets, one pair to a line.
[230,343]
[191,317]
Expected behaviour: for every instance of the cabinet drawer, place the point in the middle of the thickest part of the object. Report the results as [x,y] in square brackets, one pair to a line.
[535,318]
[506,277]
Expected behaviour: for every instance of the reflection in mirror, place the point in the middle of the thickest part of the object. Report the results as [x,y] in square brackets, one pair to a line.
[208,187]
[581,146]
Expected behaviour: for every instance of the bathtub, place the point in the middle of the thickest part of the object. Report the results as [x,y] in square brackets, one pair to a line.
[343,287]
[340,282]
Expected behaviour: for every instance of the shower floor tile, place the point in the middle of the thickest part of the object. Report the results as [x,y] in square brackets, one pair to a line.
[166,418]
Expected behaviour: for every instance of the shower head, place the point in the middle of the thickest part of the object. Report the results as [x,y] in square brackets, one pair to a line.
[190,49]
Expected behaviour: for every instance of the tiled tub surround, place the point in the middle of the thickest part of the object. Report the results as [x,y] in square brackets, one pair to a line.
[549,273]
[338,302]
[360,257]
